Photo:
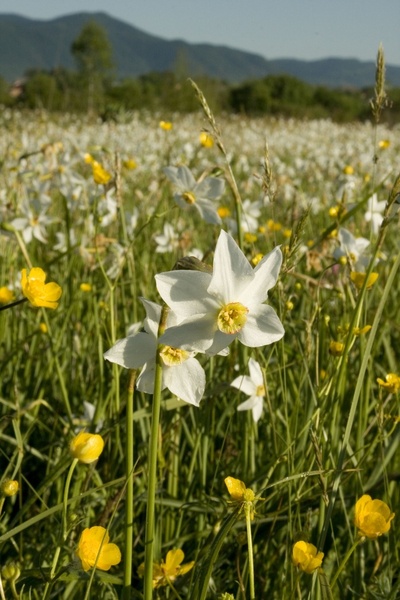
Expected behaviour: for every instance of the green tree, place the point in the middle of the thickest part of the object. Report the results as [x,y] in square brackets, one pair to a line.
[92,52]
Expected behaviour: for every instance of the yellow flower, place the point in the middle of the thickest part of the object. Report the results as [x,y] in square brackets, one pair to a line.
[372,517]
[88,158]
[6,295]
[359,278]
[43,328]
[166,125]
[348,170]
[334,211]
[223,212]
[130,164]
[87,447]
[383,144]
[336,348]
[256,259]
[85,287]
[250,238]
[238,490]
[9,487]
[166,572]
[306,557]
[323,374]
[37,291]
[100,175]
[273,225]
[362,330]
[392,383]
[94,549]
[206,140]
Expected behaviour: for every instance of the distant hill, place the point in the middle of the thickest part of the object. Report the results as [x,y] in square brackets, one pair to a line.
[26,44]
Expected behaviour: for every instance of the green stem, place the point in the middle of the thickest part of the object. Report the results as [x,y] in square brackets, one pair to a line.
[344,561]
[13,304]
[129,490]
[64,526]
[14,590]
[59,370]
[152,477]
[248,512]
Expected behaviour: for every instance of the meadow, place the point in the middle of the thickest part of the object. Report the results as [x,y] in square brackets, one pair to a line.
[241,444]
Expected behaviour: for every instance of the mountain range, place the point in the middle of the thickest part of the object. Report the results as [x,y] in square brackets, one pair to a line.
[34,44]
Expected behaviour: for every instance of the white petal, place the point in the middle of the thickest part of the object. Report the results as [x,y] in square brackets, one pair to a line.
[186,292]
[192,334]
[232,271]
[255,404]
[185,176]
[255,372]
[171,173]
[244,384]
[262,328]
[145,381]
[208,212]
[187,381]
[257,410]
[211,188]
[153,314]
[265,276]
[132,352]
[199,334]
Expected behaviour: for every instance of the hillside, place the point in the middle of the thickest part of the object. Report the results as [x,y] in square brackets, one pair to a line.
[31,44]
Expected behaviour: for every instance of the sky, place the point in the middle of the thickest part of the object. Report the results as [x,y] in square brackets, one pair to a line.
[302,29]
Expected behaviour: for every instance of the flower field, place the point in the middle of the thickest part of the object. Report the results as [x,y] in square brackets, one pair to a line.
[199,358]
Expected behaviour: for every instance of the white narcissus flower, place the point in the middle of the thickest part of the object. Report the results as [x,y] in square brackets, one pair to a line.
[254,387]
[168,241]
[199,195]
[182,374]
[353,248]
[35,221]
[214,309]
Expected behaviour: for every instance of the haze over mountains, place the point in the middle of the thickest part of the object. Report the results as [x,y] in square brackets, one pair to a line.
[31,44]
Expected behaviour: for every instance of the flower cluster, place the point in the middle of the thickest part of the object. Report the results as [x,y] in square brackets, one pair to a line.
[208,311]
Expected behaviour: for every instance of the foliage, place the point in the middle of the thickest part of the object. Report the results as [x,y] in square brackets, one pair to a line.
[92,52]
[328,432]
[61,90]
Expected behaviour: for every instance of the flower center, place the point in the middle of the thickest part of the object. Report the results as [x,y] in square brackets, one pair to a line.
[189,197]
[232,317]
[260,391]
[172,357]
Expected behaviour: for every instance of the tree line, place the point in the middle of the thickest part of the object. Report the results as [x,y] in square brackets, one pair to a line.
[93,88]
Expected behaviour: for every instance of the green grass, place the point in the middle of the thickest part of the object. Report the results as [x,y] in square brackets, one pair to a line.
[329,432]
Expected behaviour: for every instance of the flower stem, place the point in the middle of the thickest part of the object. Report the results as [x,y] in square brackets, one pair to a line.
[344,561]
[64,526]
[152,476]
[248,512]
[13,304]
[129,490]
